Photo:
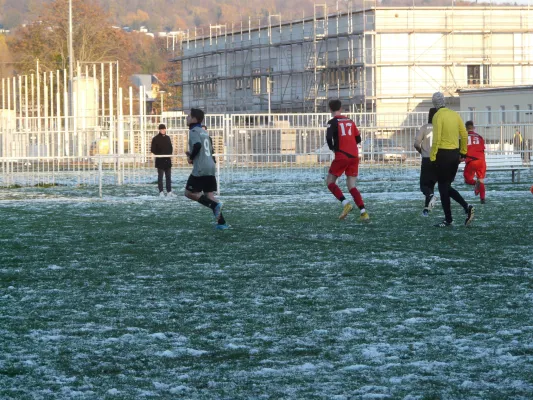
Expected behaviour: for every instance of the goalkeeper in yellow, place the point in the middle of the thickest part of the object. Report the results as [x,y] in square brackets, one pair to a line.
[448,149]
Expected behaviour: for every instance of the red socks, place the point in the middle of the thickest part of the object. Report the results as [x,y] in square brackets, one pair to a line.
[357,198]
[336,190]
[482,191]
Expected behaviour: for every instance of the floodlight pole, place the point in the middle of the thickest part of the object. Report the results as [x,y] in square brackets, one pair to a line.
[70,57]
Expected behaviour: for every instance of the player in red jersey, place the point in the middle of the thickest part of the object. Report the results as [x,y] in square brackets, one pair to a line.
[342,137]
[475,162]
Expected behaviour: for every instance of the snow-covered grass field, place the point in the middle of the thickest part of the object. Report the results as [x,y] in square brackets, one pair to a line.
[133,296]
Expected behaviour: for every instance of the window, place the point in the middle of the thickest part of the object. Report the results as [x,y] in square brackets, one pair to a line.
[332,77]
[471,113]
[472,73]
[517,113]
[353,75]
[270,85]
[348,76]
[343,77]
[212,88]
[257,85]
[489,115]
[239,83]
[486,74]
[198,90]
[502,109]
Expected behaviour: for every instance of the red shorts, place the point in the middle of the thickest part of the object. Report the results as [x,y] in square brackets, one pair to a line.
[475,168]
[348,166]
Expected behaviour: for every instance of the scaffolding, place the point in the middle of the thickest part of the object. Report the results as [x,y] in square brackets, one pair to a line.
[355,54]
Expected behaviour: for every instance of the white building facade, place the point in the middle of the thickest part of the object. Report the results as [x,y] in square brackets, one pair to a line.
[498,113]
[501,105]
[378,59]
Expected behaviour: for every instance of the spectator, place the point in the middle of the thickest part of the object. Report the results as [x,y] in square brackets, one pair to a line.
[162,145]
[518,143]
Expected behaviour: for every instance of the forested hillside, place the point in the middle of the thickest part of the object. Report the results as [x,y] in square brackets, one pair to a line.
[167,15]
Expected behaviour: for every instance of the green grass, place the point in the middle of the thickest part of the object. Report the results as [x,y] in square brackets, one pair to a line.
[133,297]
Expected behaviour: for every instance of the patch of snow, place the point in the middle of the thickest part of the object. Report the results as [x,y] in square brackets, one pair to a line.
[415,320]
[355,367]
[178,389]
[160,386]
[352,310]
[372,352]
[158,335]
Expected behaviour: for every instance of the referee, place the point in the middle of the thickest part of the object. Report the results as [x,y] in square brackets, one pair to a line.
[446,153]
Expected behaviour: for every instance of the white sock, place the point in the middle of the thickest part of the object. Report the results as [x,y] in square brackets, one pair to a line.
[363,210]
[344,202]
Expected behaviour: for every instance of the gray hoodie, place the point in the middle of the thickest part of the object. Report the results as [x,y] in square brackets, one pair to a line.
[424,139]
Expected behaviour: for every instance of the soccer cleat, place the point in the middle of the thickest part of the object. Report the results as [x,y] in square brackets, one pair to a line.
[171,194]
[364,217]
[425,212]
[161,194]
[221,227]
[469,215]
[432,202]
[346,210]
[217,211]
[476,188]
[482,201]
[443,224]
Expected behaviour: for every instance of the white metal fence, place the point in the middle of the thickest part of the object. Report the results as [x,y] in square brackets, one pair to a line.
[45,151]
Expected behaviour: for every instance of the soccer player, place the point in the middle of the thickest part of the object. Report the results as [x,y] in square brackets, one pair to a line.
[202,181]
[475,162]
[343,136]
[446,153]
[162,145]
[428,175]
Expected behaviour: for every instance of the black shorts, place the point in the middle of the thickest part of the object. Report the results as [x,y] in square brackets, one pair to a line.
[204,184]
[447,164]
[428,173]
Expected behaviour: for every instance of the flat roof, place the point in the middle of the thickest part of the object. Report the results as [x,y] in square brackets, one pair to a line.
[342,13]
[496,89]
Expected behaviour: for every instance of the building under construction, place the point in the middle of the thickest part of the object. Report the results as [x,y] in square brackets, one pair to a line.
[373,58]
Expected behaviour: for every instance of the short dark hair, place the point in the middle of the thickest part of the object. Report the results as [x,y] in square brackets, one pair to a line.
[335,105]
[198,114]
[469,124]
[161,126]
[432,112]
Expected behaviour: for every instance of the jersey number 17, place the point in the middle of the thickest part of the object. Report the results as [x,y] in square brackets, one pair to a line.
[346,126]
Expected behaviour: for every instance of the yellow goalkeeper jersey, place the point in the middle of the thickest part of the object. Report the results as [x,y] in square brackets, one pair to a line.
[449,132]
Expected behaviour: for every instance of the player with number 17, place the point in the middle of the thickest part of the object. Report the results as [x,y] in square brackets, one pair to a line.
[343,137]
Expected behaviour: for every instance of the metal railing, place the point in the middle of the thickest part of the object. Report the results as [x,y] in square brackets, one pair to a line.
[247,146]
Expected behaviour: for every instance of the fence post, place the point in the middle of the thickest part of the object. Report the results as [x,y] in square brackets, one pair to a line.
[100,176]
[218,173]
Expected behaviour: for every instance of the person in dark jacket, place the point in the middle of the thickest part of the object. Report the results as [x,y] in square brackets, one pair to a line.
[162,145]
